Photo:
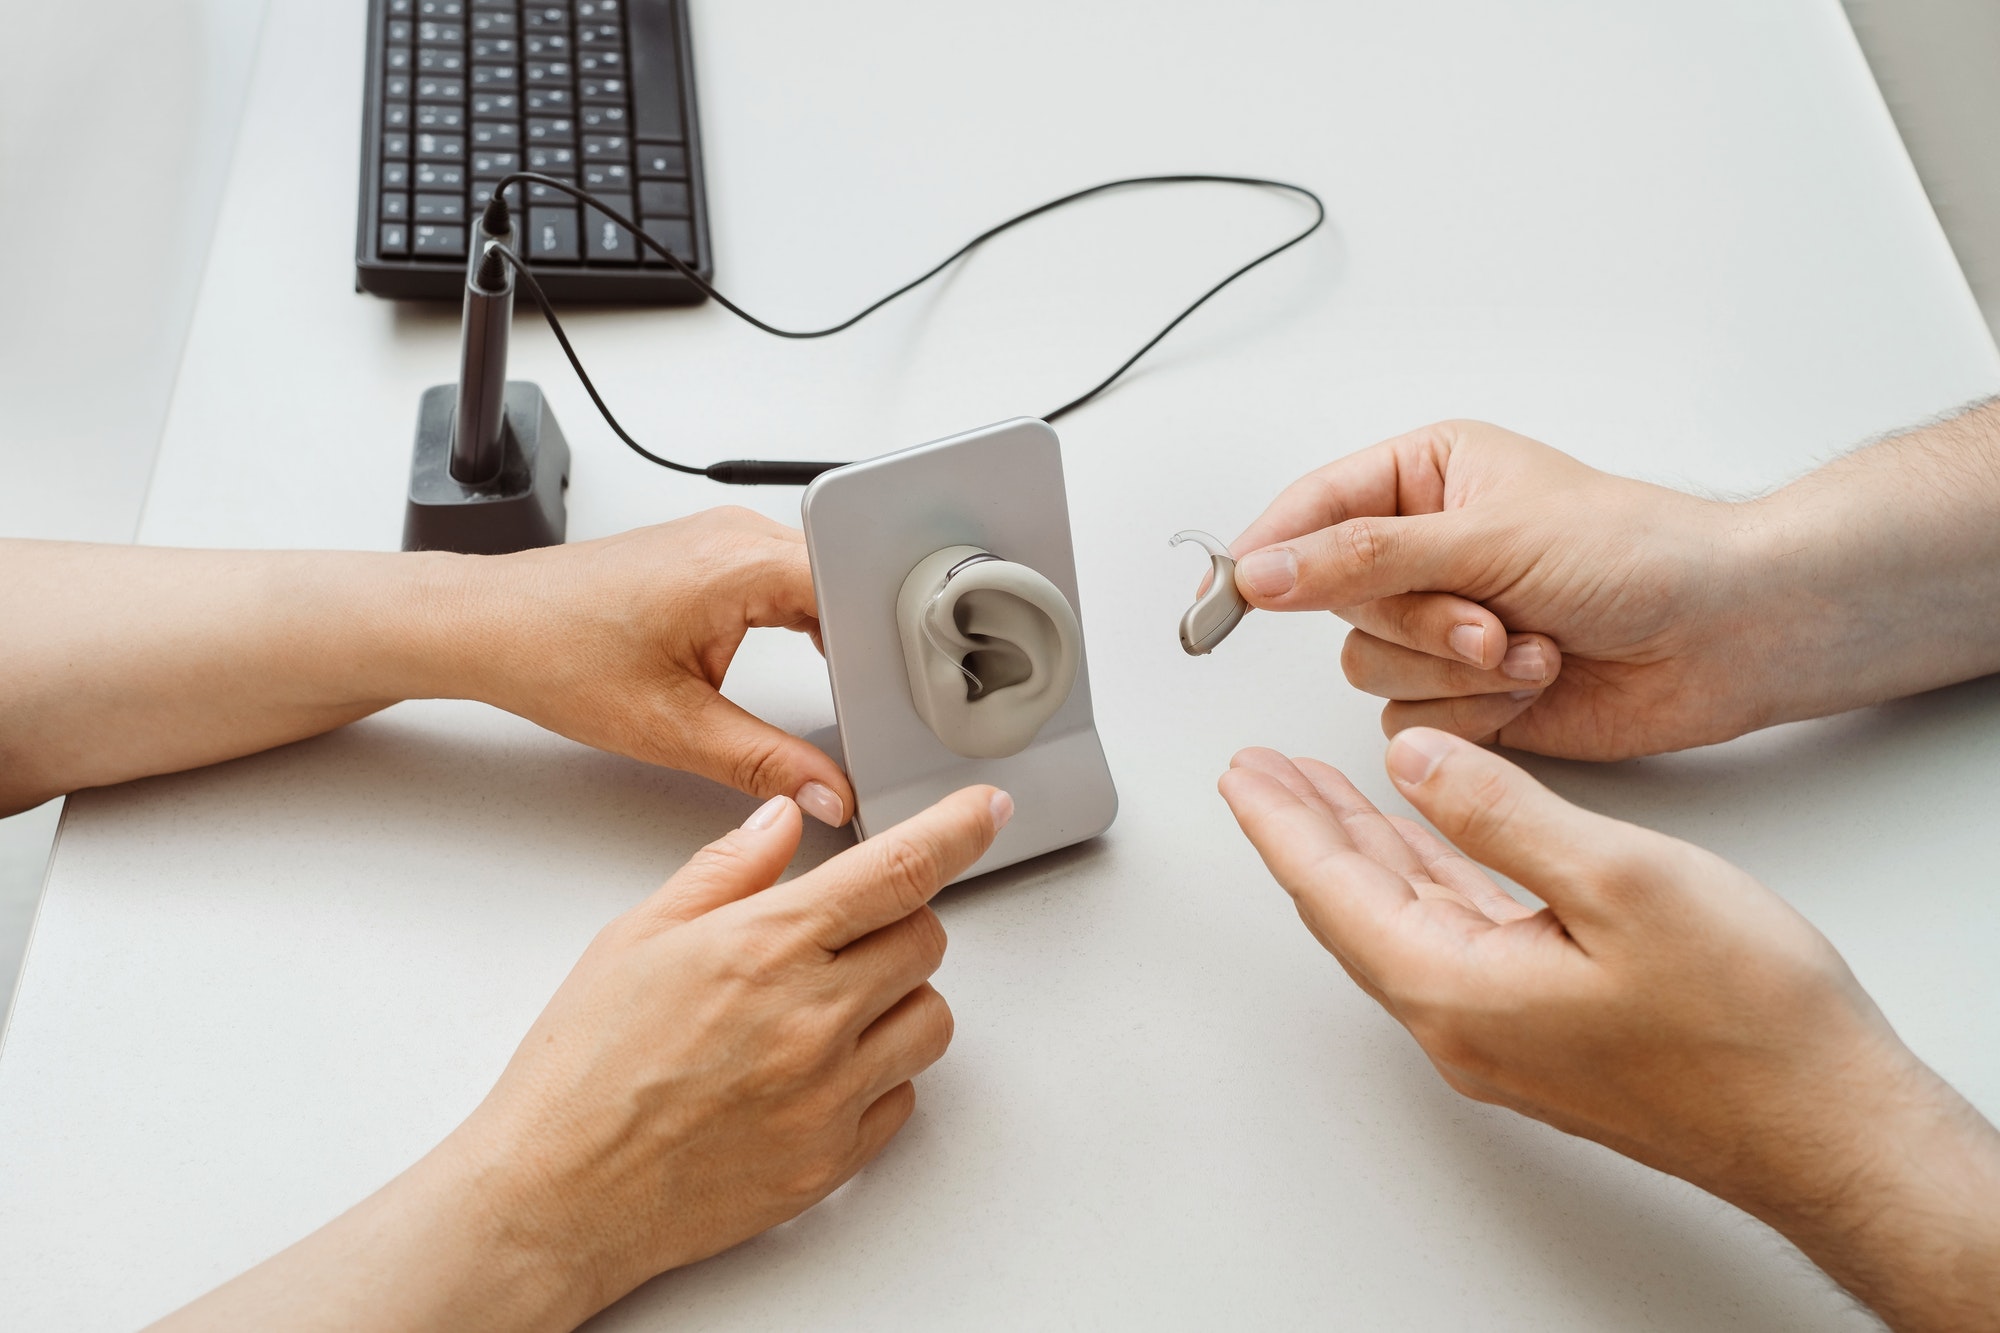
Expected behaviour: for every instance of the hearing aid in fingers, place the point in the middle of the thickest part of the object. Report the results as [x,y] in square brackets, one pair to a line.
[1220,609]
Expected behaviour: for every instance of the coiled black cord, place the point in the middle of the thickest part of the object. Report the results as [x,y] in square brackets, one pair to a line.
[497,222]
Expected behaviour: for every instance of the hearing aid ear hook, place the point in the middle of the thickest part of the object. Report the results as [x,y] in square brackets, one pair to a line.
[974,685]
[1219,610]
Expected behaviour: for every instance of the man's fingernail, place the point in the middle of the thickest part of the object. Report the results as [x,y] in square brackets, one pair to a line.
[1269,573]
[1415,754]
[1525,661]
[1469,642]
[767,814]
[1003,810]
[817,799]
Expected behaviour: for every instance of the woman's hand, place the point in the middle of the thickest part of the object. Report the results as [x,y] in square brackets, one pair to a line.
[1664,1004]
[1499,589]
[622,643]
[723,1056]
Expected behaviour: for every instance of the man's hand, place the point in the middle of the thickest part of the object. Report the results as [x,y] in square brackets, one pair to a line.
[1663,1004]
[622,644]
[1500,589]
[723,1056]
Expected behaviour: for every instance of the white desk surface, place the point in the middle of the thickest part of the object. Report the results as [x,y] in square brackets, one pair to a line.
[1681,241]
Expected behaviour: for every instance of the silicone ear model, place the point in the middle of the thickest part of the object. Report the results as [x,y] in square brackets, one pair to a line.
[991,647]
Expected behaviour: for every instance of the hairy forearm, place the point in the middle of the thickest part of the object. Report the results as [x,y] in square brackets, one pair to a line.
[122,662]
[1878,575]
[1904,1210]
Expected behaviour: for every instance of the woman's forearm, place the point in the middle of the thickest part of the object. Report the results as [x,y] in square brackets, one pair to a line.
[1878,575]
[120,662]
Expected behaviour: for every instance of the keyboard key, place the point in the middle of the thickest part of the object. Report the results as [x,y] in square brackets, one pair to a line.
[600,62]
[440,60]
[495,21]
[545,18]
[587,10]
[599,34]
[402,8]
[677,234]
[547,46]
[437,177]
[482,190]
[664,199]
[604,241]
[551,129]
[656,75]
[552,158]
[440,116]
[610,90]
[395,239]
[495,48]
[602,147]
[439,241]
[441,147]
[549,99]
[439,208]
[397,60]
[396,87]
[396,116]
[662,159]
[441,34]
[496,134]
[395,144]
[395,207]
[552,236]
[548,71]
[548,194]
[496,106]
[494,76]
[395,175]
[438,88]
[613,176]
[495,162]
[402,32]
[595,117]
[441,9]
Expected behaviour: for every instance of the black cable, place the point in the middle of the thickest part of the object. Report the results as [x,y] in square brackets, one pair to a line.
[753,472]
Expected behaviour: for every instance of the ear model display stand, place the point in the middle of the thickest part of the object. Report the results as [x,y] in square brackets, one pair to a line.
[948,606]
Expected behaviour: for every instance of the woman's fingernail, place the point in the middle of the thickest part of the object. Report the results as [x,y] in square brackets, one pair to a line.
[1269,573]
[767,814]
[1003,810]
[817,799]
[1469,642]
[1522,696]
[1415,754]
[1525,661]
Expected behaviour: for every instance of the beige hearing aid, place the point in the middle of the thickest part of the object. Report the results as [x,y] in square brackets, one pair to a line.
[1219,610]
[992,649]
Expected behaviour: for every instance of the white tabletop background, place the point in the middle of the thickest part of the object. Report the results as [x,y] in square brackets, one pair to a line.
[1680,241]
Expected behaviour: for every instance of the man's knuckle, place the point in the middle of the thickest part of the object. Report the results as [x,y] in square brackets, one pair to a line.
[1362,540]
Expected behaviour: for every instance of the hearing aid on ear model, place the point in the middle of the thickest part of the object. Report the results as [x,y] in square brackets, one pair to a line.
[1219,610]
[946,581]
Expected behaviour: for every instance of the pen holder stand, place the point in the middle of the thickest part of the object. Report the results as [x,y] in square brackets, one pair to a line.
[519,509]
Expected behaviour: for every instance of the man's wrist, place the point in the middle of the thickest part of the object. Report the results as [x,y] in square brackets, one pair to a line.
[1898,1205]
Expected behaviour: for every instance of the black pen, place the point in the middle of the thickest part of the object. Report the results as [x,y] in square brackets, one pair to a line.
[478,428]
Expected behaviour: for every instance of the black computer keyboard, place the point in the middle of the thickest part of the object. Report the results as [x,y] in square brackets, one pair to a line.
[596,92]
